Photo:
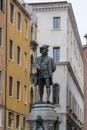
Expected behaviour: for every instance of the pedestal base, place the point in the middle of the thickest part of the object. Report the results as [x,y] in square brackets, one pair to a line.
[42,117]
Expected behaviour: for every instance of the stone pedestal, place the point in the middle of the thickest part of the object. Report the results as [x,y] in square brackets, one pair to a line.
[42,117]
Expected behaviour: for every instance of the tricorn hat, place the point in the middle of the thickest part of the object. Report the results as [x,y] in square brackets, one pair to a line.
[44,47]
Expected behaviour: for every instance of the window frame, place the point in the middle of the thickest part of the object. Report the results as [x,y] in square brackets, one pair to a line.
[1,81]
[56,54]
[11,90]
[11,13]
[18,56]
[24,124]
[56,22]
[0,117]
[10,121]
[19,21]
[1,41]
[26,28]
[11,50]
[18,96]
[25,94]
[17,122]
[25,61]
[1,5]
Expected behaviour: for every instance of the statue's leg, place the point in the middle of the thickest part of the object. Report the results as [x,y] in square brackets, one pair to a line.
[48,89]
[41,93]
[41,90]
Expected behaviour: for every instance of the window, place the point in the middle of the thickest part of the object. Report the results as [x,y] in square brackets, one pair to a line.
[32,31]
[25,94]
[56,22]
[26,28]
[10,86]
[25,60]
[31,98]
[0,117]
[56,54]
[24,123]
[56,92]
[0,36]
[31,62]
[18,90]
[11,50]
[0,80]
[17,122]
[10,119]
[1,5]
[11,13]
[19,21]
[18,56]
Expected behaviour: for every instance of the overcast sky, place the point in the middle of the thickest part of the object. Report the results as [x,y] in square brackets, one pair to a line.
[80,12]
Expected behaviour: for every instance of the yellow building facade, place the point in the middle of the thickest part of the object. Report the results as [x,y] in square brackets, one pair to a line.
[18,25]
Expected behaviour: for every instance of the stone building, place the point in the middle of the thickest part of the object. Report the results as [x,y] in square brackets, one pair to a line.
[85,83]
[57,28]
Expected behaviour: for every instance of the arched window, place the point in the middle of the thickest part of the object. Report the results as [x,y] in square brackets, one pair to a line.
[56,92]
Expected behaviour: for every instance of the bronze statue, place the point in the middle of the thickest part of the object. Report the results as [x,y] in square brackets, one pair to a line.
[45,67]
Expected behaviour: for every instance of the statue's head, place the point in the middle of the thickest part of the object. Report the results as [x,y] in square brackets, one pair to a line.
[44,49]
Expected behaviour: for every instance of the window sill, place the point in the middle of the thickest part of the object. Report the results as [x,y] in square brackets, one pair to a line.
[25,103]
[1,11]
[12,23]
[26,37]
[11,59]
[19,30]
[26,70]
[18,100]
[19,65]
[0,92]
[10,96]
[56,29]
[1,45]
[10,128]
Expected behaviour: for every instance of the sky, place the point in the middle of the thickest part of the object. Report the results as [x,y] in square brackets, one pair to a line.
[80,9]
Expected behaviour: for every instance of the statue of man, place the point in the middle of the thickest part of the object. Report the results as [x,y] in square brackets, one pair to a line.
[45,67]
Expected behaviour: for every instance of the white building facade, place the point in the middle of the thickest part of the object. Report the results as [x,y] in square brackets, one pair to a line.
[57,28]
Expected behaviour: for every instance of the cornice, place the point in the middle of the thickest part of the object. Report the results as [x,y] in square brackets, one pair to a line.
[73,76]
[21,6]
[49,7]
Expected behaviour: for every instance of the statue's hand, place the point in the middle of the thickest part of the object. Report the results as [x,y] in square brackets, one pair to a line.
[36,66]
